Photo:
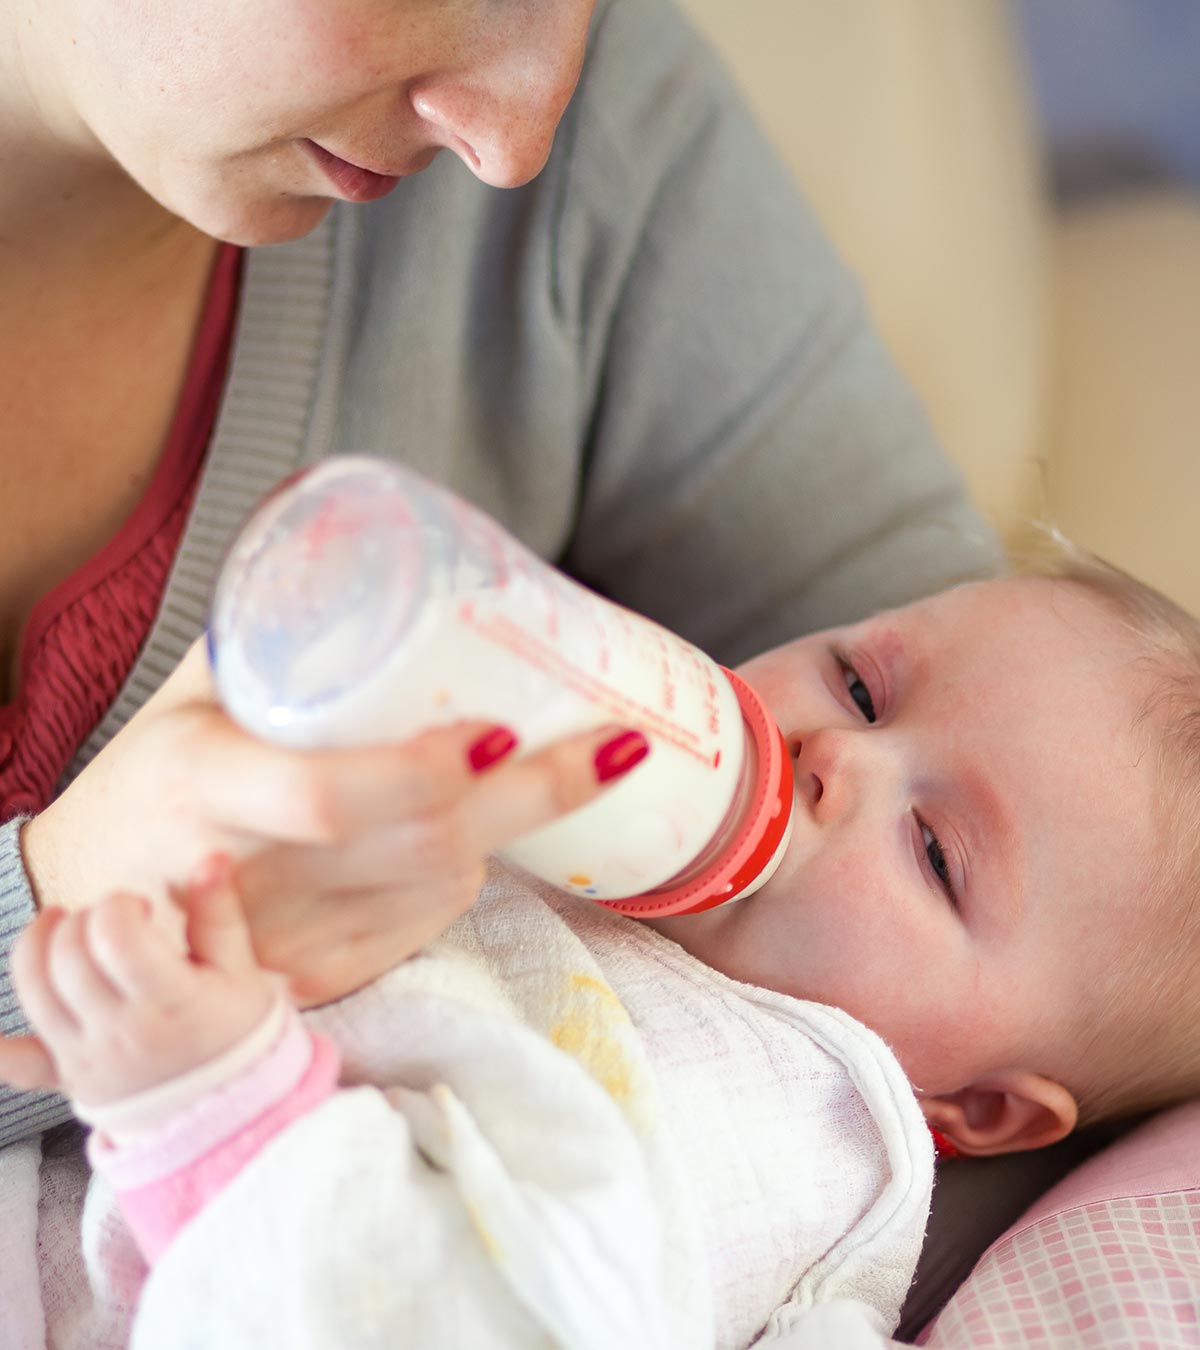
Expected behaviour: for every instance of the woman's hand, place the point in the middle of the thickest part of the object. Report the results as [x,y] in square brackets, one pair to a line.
[347,861]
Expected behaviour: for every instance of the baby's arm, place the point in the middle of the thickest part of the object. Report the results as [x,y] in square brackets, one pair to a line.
[168,1151]
[178,1048]
[518,1212]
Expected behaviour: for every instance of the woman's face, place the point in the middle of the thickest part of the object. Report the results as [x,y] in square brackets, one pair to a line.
[248,117]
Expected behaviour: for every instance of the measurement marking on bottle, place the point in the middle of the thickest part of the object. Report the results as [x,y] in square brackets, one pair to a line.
[501,630]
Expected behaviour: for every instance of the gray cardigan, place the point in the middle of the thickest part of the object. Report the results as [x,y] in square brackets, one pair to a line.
[648,363]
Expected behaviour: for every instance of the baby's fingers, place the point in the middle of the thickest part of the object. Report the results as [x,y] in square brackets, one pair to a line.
[46,1011]
[134,948]
[80,979]
[25,1063]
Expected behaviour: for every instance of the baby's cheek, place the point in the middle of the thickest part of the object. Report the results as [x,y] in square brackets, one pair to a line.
[883,947]
[865,897]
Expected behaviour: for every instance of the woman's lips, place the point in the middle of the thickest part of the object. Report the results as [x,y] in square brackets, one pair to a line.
[354,183]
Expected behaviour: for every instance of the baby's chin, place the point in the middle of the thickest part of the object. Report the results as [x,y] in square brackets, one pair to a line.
[667,926]
[701,935]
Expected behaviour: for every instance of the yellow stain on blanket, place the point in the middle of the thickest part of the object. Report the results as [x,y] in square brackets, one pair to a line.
[589,984]
[483,1232]
[594,1029]
[441,1157]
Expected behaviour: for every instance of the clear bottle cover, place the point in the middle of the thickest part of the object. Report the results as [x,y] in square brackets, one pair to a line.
[362,604]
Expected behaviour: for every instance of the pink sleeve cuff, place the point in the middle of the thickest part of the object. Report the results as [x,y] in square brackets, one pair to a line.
[162,1182]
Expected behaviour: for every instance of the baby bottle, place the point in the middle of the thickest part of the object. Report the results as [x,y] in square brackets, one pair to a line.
[363,604]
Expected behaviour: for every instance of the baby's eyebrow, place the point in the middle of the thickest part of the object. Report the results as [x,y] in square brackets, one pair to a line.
[996,848]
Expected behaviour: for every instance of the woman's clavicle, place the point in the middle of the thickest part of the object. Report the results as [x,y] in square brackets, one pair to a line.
[89,380]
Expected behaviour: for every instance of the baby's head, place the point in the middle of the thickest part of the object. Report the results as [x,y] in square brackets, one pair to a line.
[994,858]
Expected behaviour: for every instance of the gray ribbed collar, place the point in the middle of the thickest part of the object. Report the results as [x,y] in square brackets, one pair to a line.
[276,414]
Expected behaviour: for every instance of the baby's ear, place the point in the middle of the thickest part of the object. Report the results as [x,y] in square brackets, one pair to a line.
[1003,1112]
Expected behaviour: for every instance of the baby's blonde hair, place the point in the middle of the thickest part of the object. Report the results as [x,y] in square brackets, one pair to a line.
[1143,1049]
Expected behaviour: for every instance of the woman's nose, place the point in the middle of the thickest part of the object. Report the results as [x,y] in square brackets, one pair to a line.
[835,766]
[500,114]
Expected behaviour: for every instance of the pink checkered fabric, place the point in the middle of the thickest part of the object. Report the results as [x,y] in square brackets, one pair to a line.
[1121,1274]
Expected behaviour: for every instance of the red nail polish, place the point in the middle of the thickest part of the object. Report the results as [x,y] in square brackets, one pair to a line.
[943,1147]
[490,748]
[619,755]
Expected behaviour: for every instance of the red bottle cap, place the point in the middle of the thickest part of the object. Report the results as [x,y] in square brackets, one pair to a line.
[755,844]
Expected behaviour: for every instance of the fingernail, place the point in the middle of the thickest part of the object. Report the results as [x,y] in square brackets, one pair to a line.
[490,748]
[619,755]
[211,872]
[943,1147]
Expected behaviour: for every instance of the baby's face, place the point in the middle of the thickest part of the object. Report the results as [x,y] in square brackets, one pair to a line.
[974,817]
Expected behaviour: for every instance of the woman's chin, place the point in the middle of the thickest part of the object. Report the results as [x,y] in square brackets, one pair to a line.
[252,224]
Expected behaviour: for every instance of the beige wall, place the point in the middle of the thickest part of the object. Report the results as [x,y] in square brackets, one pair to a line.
[1059,358]
[914,144]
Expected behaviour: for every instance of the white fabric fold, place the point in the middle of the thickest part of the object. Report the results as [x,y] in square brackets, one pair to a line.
[575,1135]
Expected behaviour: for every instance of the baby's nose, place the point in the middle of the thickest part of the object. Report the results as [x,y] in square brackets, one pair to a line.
[809,787]
[833,767]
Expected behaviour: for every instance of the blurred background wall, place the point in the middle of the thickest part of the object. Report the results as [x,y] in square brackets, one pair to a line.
[1117,85]
[1014,183]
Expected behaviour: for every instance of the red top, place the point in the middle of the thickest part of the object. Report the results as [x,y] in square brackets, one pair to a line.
[83,637]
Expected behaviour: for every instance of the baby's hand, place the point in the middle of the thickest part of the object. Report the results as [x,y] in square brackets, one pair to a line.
[120,1006]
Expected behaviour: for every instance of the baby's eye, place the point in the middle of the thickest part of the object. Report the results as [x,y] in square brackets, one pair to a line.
[937,860]
[858,692]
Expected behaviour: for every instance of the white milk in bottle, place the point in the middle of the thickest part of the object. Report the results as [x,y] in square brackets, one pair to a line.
[363,604]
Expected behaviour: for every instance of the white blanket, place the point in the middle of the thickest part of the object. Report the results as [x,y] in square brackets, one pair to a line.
[578,1136]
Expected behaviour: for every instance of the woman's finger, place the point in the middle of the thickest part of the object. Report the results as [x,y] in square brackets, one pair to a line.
[217,932]
[320,796]
[417,853]
[561,778]
[496,809]
[454,836]
[332,941]
[376,786]
[347,939]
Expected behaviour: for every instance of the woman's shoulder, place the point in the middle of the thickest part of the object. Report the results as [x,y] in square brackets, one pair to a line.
[648,48]
[651,88]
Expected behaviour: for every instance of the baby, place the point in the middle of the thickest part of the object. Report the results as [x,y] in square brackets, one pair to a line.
[985,871]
